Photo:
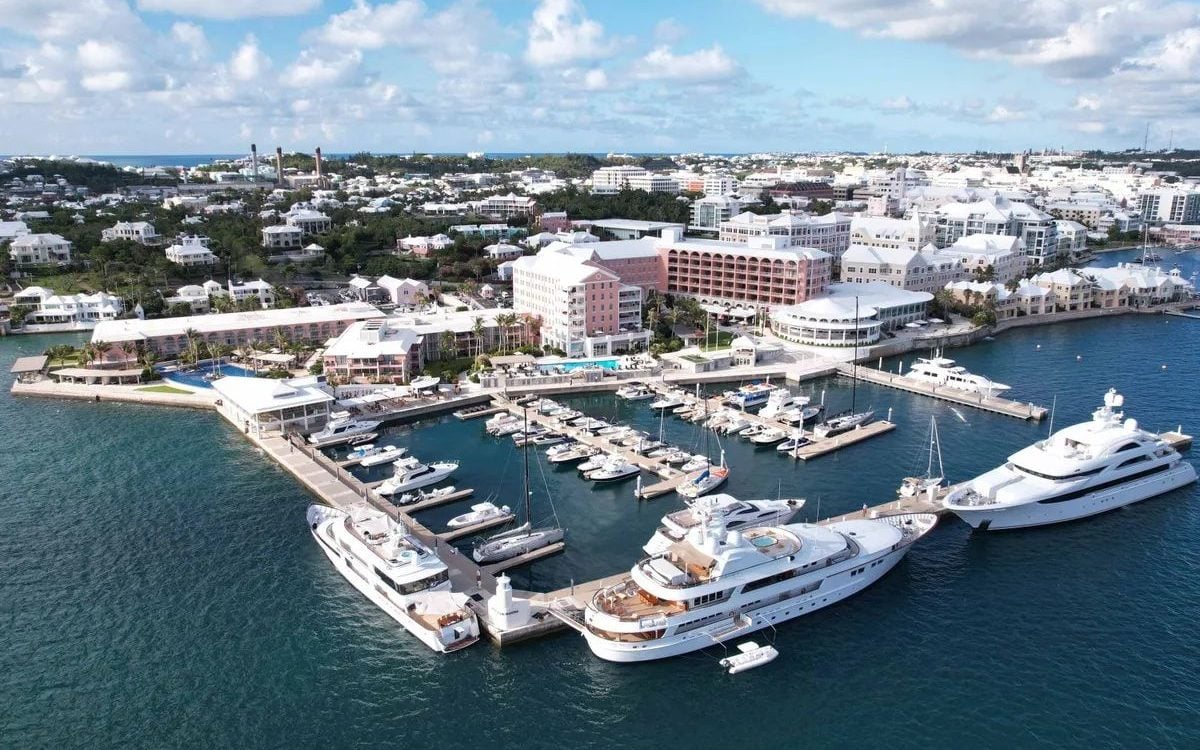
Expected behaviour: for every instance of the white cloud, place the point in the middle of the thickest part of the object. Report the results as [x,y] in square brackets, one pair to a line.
[560,33]
[229,9]
[98,55]
[702,66]
[67,19]
[190,37]
[897,104]
[312,69]
[1087,102]
[105,81]
[368,26]
[595,80]
[1090,127]
[248,61]
[1001,114]
[669,31]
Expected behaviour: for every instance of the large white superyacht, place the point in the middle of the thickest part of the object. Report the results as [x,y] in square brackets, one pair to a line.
[396,572]
[944,372]
[717,584]
[1079,471]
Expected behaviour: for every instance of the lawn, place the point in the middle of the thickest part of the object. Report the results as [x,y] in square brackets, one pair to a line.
[165,389]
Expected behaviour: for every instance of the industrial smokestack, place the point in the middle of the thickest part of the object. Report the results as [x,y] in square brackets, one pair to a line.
[254,163]
[318,166]
[279,165]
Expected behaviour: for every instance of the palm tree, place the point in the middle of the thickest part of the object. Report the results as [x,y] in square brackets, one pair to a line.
[193,343]
[533,326]
[98,349]
[129,349]
[504,320]
[281,339]
[477,328]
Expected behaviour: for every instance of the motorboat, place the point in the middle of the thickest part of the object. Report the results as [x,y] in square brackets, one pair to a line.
[548,438]
[717,585]
[611,429]
[661,451]
[480,512]
[341,427]
[792,443]
[919,486]
[677,457]
[842,423]
[780,401]
[802,414]
[714,421]
[943,372]
[399,574]
[753,430]
[695,463]
[518,541]
[668,400]
[420,496]
[635,392]
[411,474]
[508,428]
[733,425]
[634,438]
[748,396]
[613,470]
[528,436]
[546,405]
[645,446]
[386,455]
[1079,471]
[574,452]
[568,416]
[749,655]
[593,463]
[734,513]
[619,435]
[769,437]
[496,420]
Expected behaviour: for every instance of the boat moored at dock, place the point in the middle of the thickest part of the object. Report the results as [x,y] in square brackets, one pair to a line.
[733,512]
[342,427]
[944,372]
[396,572]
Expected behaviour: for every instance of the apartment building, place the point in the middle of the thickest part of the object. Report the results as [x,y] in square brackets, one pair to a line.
[1169,206]
[1072,238]
[505,206]
[609,180]
[925,270]
[422,246]
[635,262]
[999,216]
[582,307]
[720,183]
[40,250]
[877,231]
[1087,214]
[1004,254]
[308,221]
[282,236]
[829,233]
[709,212]
[66,312]
[262,290]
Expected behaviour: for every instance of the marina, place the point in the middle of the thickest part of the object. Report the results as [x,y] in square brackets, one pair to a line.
[993,404]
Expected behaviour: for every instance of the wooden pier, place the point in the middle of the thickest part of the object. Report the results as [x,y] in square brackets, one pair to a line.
[975,401]
[491,523]
[821,446]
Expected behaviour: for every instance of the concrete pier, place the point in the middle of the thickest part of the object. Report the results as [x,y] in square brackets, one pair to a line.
[975,401]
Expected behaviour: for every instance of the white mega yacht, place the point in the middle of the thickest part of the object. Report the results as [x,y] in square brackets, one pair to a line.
[735,513]
[1079,471]
[941,371]
[396,572]
[716,585]
[340,428]
[411,474]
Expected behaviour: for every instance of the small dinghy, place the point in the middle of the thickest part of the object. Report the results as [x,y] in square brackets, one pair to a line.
[749,656]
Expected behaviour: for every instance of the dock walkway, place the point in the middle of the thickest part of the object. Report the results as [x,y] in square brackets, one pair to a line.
[986,403]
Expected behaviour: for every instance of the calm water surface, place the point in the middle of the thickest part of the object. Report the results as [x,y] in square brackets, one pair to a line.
[158,588]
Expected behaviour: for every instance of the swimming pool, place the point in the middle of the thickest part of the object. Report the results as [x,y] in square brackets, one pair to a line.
[195,378]
[568,365]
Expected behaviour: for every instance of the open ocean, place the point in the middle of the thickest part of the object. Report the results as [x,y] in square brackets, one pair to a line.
[159,589]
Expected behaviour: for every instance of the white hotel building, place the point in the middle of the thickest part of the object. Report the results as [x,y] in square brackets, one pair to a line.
[609,180]
[829,233]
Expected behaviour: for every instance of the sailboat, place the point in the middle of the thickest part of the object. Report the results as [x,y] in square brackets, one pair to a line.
[524,538]
[848,420]
[918,486]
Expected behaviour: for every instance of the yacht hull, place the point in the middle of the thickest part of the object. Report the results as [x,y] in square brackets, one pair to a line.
[319,520]
[996,518]
[833,589]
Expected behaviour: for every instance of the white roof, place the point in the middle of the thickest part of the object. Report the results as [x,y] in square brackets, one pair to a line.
[562,267]
[257,395]
[633,224]
[742,248]
[876,294]
[134,329]
[282,229]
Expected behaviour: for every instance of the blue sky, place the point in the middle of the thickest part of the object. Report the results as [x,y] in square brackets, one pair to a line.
[194,76]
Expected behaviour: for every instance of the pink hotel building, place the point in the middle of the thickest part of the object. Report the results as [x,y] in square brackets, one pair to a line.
[575,289]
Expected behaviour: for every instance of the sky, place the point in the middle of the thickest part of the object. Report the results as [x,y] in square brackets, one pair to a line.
[212,76]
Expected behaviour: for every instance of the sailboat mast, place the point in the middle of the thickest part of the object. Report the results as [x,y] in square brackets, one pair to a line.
[525,452]
[854,363]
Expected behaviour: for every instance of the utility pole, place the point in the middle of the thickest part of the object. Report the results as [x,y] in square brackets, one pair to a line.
[1146,138]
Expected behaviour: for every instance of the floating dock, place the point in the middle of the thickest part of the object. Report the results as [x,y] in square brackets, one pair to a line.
[975,401]
[820,446]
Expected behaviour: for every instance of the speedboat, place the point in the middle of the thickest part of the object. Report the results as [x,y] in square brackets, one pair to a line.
[668,400]
[421,496]
[800,415]
[411,474]
[780,401]
[753,430]
[660,451]
[842,423]
[1085,469]
[386,455]
[593,463]
[733,425]
[695,463]
[792,443]
[635,392]
[718,585]
[574,452]
[613,470]
[340,428]
[518,541]
[754,394]
[943,372]
[769,437]
[401,576]
[733,512]
[645,446]
[611,429]
[549,438]
[677,457]
[635,437]
[480,512]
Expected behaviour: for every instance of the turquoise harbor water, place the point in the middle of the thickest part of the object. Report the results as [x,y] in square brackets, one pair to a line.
[158,589]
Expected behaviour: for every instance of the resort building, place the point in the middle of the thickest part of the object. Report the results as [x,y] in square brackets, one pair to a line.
[1003,254]
[1169,206]
[40,250]
[262,405]
[499,231]
[1180,234]
[829,233]
[168,336]
[404,292]
[1072,238]
[760,271]
[503,251]
[49,312]
[1087,214]
[141,232]
[191,250]
[1143,285]
[1026,299]
[925,270]
[422,246]
[282,236]
[505,206]
[1069,290]
[850,315]
[627,229]
[878,231]
[709,212]
[635,262]
[585,309]
[610,180]
[998,215]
